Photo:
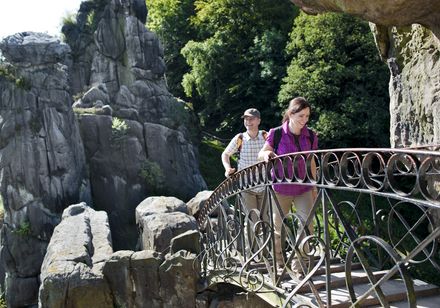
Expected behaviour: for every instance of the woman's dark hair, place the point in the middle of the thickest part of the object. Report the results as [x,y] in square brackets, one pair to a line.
[296,105]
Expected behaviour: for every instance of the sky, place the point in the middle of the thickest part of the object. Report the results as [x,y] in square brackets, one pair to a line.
[34,15]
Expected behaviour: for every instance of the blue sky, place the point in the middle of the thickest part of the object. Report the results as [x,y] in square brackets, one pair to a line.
[34,15]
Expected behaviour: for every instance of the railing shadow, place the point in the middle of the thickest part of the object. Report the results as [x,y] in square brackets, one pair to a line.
[372,215]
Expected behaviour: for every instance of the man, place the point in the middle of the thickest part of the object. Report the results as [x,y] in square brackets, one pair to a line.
[248,144]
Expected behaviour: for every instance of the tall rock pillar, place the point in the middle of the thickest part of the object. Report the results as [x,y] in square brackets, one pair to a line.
[42,162]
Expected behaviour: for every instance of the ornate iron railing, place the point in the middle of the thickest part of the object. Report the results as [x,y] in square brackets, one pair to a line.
[373,212]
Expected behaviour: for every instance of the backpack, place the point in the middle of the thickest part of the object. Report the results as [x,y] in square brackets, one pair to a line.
[240,139]
[277,138]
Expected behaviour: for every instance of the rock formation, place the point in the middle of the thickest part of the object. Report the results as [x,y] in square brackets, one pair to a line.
[382,12]
[407,33]
[42,162]
[80,268]
[160,219]
[125,138]
[71,273]
[136,134]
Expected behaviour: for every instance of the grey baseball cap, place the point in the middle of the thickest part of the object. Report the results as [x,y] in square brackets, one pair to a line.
[251,112]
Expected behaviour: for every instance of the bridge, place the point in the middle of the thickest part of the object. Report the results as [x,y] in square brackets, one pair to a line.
[376,230]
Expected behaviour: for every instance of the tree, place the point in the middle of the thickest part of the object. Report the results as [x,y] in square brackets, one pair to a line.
[336,66]
[170,20]
[238,62]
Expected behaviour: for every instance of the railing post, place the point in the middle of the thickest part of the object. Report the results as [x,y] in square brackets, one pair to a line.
[327,246]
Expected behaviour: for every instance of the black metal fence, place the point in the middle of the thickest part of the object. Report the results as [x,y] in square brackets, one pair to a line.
[375,213]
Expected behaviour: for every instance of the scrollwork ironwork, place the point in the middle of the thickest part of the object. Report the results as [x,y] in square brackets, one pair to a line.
[360,214]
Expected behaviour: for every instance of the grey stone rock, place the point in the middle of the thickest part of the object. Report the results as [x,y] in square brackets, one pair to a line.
[115,166]
[33,48]
[159,204]
[196,203]
[176,157]
[179,273]
[107,110]
[158,229]
[145,268]
[188,241]
[383,12]
[42,162]
[134,278]
[117,271]
[121,65]
[95,94]
[22,291]
[71,274]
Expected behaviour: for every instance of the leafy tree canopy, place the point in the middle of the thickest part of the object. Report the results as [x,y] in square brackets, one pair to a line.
[336,66]
[170,20]
[239,61]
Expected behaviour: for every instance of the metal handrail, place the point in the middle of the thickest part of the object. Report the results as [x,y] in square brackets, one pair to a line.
[242,243]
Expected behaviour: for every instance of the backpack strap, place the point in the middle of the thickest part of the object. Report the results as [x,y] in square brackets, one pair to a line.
[240,139]
[239,142]
[277,137]
[311,137]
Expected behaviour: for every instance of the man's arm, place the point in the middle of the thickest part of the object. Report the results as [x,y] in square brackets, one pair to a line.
[226,161]
[230,149]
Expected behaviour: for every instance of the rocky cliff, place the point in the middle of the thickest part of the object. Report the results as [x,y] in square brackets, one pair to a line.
[407,34]
[87,120]
[42,162]
[136,134]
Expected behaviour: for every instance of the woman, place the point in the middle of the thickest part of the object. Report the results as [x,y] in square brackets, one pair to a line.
[295,137]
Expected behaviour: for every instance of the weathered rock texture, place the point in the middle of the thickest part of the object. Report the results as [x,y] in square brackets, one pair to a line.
[407,33]
[81,270]
[42,162]
[383,12]
[118,74]
[132,133]
[71,275]
[160,219]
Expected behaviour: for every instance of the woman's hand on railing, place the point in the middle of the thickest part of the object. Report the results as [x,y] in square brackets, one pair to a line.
[267,155]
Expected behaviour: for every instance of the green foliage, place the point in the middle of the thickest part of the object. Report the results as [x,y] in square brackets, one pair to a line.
[119,129]
[335,65]
[92,20]
[3,301]
[238,61]
[211,166]
[153,176]
[84,23]
[9,73]
[183,114]
[91,110]
[69,19]
[24,229]
[170,20]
